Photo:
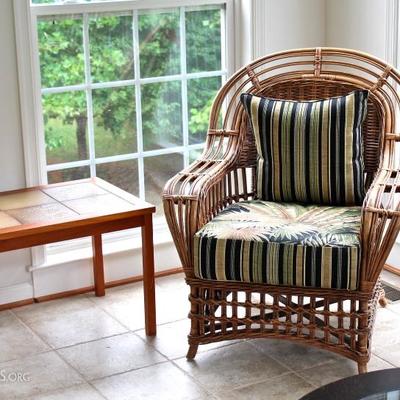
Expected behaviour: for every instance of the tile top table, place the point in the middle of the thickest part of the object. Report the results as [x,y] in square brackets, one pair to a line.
[70,210]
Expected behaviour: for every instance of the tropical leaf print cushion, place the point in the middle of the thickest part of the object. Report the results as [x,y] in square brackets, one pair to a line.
[281,244]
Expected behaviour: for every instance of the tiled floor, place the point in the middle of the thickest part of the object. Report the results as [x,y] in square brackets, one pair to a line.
[95,348]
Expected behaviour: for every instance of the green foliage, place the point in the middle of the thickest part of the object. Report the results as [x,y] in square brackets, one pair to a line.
[159,44]
[203,40]
[111,59]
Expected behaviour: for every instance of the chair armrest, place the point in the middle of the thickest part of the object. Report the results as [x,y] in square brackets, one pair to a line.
[380,223]
[383,197]
[196,194]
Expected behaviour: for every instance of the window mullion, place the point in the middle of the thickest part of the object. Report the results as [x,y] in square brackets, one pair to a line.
[89,99]
[131,82]
[138,101]
[185,118]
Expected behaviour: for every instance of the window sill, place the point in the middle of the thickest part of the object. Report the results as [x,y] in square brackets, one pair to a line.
[115,243]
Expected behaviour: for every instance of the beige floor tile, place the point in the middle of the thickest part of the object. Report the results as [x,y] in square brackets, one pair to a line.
[16,340]
[387,328]
[390,354]
[39,374]
[395,307]
[172,305]
[111,356]
[80,392]
[171,282]
[327,373]
[284,387]
[295,356]
[230,367]
[171,340]
[126,305]
[69,321]
[163,381]
[376,363]
[52,308]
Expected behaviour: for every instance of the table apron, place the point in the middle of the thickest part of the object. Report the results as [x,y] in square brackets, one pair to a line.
[41,237]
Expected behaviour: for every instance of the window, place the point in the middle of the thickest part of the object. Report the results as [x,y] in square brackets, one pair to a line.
[126,91]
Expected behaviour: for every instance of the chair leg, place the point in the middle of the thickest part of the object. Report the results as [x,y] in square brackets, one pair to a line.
[191,354]
[362,367]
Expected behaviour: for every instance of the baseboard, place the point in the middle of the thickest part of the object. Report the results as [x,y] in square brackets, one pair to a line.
[15,294]
[392,269]
[87,289]
[16,304]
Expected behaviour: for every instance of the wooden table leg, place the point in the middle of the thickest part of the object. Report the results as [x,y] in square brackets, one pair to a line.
[98,266]
[148,276]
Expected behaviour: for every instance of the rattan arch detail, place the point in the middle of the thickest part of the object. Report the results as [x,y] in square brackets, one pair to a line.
[337,320]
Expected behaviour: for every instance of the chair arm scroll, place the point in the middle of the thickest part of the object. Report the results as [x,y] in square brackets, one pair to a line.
[193,196]
[380,222]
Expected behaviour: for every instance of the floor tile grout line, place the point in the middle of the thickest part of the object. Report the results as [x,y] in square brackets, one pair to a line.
[109,314]
[78,372]
[287,366]
[129,370]
[383,359]
[128,330]
[93,340]
[30,329]
[184,355]
[27,356]
[257,382]
[123,324]
[208,350]
[216,349]
[195,380]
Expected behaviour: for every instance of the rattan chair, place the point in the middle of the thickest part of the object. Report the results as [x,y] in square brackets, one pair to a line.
[333,319]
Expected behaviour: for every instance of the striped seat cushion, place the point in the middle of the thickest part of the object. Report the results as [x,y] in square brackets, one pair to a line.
[309,152]
[281,244]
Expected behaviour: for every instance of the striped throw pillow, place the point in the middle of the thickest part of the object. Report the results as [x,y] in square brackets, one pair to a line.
[311,151]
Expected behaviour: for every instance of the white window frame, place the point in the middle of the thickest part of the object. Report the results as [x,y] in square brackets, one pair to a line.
[31,92]
[392,41]
[392,34]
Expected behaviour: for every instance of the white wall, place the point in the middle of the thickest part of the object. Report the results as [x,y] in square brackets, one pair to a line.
[294,24]
[357,24]
[13,274]
[361,25]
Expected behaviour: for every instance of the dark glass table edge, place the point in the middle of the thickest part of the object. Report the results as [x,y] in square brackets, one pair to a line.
[358,387]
